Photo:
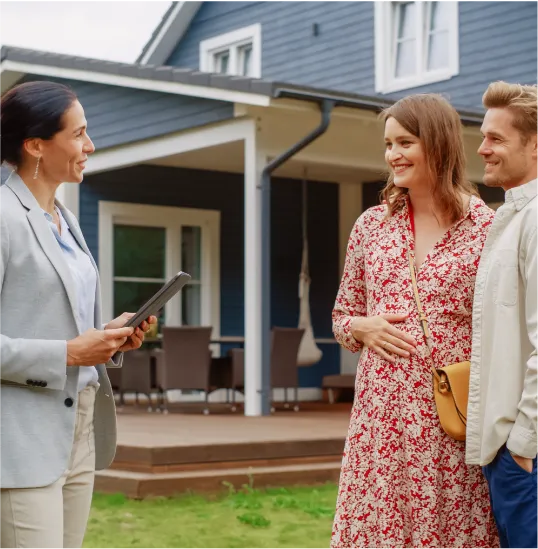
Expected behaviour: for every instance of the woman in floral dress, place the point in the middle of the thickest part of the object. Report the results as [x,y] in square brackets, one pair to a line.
[404,482]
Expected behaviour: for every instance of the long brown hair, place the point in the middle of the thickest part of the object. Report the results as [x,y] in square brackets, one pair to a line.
[432,119]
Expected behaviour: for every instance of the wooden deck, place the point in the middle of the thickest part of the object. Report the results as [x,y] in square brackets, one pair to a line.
[166,454]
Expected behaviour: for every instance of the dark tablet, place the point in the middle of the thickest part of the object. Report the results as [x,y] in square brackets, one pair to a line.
[158,300]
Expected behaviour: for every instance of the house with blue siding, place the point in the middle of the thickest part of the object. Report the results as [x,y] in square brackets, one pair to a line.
[221,91]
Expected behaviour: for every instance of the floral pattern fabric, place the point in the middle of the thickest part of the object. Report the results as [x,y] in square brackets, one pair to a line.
[404,481]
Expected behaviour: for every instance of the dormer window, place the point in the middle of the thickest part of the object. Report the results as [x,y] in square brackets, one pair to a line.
[235,53]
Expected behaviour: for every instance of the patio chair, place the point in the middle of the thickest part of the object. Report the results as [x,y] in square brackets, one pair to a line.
[285,344]
[136,375]
[184,362]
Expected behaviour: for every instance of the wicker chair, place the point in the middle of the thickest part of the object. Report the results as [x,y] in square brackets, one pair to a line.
[184,361]
[285,344]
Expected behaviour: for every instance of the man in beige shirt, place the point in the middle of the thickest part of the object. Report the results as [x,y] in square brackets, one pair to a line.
[501,415]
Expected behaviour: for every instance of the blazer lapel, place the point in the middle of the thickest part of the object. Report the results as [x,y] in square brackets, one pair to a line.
[45,237]
[50,246]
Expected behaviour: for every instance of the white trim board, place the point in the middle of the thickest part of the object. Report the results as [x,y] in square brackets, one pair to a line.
[177,88]
[69,195]
[172,219]
[233,40]
[171,33]
[161,147]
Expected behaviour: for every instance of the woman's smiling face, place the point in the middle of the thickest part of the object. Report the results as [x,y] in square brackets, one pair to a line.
[405,156]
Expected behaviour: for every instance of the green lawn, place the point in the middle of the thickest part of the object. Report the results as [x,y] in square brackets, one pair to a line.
[278,517]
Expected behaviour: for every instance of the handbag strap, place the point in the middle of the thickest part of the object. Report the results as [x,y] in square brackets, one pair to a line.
[421,314]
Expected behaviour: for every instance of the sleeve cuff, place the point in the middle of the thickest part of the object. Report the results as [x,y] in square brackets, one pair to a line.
[522,442]
[346,337]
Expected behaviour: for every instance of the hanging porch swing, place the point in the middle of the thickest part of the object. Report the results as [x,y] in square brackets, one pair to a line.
[309,353]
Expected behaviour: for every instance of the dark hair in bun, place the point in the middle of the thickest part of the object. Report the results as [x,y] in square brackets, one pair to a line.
[29,110]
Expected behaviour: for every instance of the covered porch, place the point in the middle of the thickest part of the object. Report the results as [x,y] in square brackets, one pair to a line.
[208,180]
[182,152]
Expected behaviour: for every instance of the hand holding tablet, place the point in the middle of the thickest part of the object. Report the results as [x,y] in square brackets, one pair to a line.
[159,299]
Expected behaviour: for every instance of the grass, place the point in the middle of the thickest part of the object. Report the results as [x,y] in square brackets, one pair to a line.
[278,517]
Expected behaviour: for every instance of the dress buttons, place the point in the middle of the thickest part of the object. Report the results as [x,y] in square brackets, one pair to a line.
[68,402]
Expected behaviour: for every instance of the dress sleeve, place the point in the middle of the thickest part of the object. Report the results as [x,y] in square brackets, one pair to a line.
[351,297]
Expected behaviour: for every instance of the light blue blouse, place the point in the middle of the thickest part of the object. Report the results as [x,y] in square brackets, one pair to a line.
[85,280]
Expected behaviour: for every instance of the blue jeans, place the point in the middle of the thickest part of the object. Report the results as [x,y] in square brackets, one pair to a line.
[512,493]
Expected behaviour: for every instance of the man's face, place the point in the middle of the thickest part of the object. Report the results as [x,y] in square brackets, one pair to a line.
[510,159]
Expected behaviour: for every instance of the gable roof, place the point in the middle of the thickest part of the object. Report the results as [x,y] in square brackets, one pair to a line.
[15,62]
[168,32]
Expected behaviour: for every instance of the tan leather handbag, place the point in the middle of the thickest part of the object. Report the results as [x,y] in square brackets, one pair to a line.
[450,383]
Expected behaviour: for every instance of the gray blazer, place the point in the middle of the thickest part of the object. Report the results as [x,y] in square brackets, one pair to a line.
[37,317]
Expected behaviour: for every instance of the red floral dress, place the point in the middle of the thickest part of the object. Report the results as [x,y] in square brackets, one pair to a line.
[404,482]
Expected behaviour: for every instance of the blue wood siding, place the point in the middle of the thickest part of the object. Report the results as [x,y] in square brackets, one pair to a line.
[498,41]
[225,192]
[118,115]
[340,57]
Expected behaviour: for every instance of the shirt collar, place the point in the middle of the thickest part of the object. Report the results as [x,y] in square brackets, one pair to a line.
[63,223]
[521,195]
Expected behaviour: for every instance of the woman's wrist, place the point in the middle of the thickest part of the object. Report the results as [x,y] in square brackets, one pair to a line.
[356,329]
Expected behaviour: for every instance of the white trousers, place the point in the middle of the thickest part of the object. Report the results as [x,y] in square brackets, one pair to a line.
[56,515]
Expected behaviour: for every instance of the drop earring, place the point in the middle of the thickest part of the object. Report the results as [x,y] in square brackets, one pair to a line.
[37,167]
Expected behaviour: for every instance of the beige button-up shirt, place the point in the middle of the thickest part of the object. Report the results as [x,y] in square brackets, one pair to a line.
[502,393]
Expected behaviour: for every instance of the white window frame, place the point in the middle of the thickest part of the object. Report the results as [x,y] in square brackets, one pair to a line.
[172,219]
[385,81]
[232,41]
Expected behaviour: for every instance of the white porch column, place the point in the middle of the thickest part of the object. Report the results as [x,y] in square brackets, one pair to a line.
[350,208]
[254,164]
[68,194]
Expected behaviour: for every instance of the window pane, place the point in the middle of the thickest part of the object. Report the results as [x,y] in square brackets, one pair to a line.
[405,59]
[439,16]
[191,251]
[405,39]
[438,51]
[406,27]
[139,251]
[130,296]
[222,61]
[245,57]
[438,40]
[191,305]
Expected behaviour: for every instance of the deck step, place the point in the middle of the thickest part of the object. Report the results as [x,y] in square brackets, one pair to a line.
[139,485]
[142,467]
[163,458]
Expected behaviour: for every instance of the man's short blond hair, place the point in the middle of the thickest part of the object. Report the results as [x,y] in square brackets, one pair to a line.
[518,98]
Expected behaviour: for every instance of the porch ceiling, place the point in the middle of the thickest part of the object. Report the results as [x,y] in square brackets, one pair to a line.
[351,150]
[354,139]
[229,157]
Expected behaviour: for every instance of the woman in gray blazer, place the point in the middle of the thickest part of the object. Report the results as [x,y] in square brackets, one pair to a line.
[58,422]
